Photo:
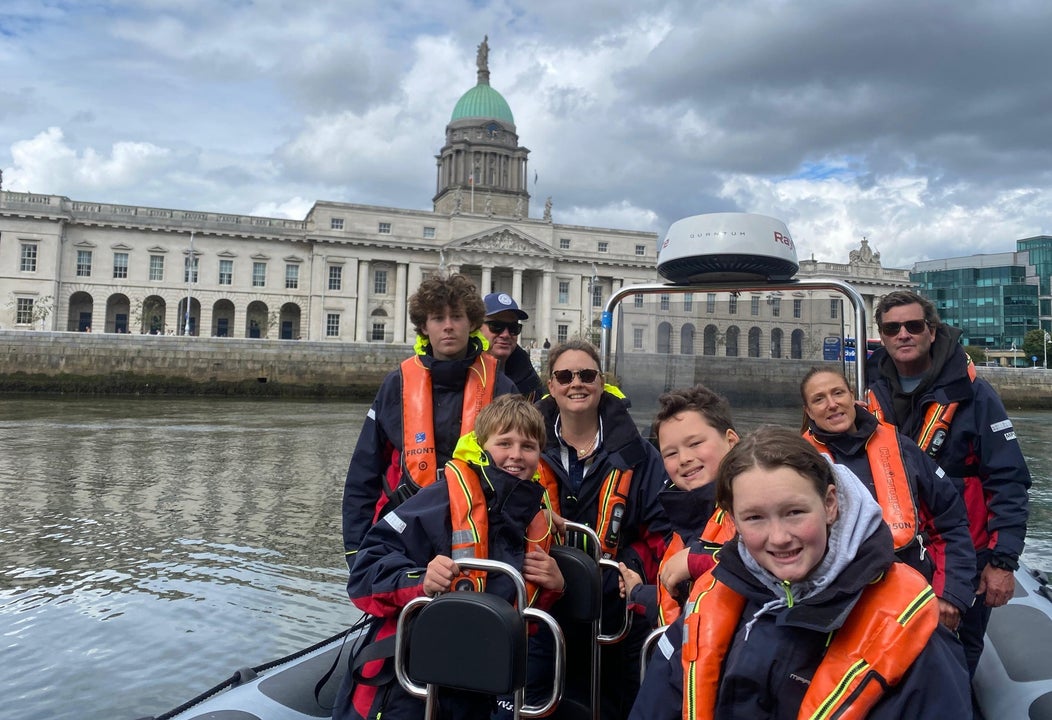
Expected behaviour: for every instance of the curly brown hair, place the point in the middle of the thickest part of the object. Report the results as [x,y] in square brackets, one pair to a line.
[437,293]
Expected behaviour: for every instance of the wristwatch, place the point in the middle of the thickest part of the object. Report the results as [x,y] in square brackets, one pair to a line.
[1003,562]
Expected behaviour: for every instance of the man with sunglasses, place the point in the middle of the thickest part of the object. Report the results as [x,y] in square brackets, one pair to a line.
[502,327]
[925,384]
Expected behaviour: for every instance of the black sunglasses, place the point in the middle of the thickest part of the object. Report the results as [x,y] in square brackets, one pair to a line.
[499,326]
[913,327]
[565,377]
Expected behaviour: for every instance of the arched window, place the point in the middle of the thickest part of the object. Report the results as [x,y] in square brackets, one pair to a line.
[709,340]
[776,343]
[754,342]
[732,341]
[796,345]
[686,339]
[664,338]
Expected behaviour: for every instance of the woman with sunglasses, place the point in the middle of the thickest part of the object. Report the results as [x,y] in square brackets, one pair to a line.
[920,503]
[609,477]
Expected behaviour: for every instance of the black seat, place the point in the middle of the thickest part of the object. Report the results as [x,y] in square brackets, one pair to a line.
[578,611]
[449,624]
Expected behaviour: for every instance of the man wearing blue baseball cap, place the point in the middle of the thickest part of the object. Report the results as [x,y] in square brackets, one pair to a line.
[501,328]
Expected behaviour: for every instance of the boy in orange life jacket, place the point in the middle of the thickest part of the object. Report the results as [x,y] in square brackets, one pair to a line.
[807,613]
[694,430]
[487,494]
[422,407]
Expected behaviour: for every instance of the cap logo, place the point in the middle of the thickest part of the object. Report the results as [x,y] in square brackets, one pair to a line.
[505,299]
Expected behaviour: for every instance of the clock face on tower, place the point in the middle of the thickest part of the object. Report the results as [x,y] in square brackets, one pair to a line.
[492,129]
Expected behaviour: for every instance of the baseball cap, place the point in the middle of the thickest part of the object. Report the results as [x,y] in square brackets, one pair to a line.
[500,302]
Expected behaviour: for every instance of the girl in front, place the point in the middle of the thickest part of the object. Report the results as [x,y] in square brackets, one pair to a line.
[807,614]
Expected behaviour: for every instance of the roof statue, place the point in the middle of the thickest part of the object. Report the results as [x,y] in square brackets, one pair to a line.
[482,58]
[864,254]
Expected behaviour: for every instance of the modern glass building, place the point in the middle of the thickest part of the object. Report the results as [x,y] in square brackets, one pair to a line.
[992,298]
[1039,252]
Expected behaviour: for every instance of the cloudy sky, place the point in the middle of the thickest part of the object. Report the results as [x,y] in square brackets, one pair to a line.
[924,126]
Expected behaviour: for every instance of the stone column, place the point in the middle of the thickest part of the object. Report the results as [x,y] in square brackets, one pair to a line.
[487,281]
[401,294]
[516,285]
[362,314]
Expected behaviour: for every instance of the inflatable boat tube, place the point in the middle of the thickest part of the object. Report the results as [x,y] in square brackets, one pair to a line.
[1014,676]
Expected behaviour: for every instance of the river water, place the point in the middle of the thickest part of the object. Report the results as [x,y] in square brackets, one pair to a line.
[150,547]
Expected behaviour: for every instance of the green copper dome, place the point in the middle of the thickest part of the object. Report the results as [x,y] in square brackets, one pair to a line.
[482,101]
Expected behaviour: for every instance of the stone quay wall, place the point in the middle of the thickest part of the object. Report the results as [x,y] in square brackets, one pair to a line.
[90,362]
[77,361]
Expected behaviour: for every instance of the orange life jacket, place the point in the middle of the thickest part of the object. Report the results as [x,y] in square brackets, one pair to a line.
[886,631]
[718,530]
[470,521]
[937,418]
[418,461]
[613,500]
[895,494]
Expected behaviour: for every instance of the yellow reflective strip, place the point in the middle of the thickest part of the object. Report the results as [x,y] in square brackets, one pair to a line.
[923,598]
[462,484]
[834,698]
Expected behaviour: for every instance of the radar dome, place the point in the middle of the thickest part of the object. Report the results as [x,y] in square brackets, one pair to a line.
[723,247]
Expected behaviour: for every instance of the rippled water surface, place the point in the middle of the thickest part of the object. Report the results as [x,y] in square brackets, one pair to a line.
[150,547]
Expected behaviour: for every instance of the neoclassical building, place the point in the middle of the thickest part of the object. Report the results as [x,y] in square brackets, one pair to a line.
[345,272]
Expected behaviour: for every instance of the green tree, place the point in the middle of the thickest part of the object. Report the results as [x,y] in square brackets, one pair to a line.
[976,352]
[1034,345]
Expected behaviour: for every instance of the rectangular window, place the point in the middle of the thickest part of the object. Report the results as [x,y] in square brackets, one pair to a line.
[641,249]
[597,295]
[639,300]
[259,274]
[776,307]
[732,304]
[834,308]
[24,311]
[754,305]
[336,277]
[292,276]
[380,282]
[429,233]
[637,338]
[378,332]
[83,263]
[336,224]
[688,302]
[603,246]
[226,272]
[385,228]
[29,258]
[664,301]
[562,333]
[332,325]
[798,308]
[564,292]
[156,268]
[710,302]
[564,243]
[186,269]
[120,265]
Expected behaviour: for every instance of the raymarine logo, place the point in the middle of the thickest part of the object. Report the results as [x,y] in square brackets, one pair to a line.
[784,240]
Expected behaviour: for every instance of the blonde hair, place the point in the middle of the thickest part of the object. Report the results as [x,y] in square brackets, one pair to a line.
[510,413]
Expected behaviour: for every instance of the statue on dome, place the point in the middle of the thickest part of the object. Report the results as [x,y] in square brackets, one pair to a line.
[548,209]
[482,57]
